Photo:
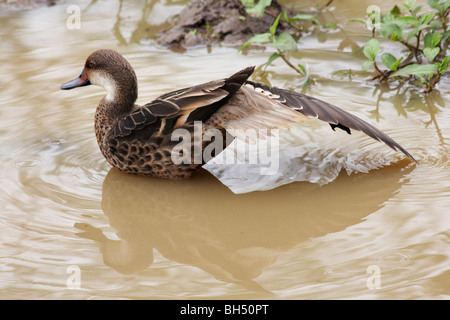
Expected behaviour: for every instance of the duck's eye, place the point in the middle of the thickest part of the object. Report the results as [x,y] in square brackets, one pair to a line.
[91,64]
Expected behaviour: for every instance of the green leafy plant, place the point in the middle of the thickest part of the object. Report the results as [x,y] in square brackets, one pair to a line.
[257,9]
[282,42]
[426,36]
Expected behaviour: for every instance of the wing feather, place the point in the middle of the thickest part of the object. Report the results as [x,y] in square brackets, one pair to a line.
[305,105]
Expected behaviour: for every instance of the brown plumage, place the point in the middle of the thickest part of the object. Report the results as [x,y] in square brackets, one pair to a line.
[137,139]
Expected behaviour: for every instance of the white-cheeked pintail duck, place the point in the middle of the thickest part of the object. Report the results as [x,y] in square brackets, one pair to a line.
[137,139]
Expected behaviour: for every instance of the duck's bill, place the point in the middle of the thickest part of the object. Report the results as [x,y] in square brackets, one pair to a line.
[82,80]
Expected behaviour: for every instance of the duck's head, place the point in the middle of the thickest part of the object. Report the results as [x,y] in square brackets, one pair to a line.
[110,70]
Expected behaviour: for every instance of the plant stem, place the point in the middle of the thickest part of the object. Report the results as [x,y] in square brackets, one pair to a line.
[410,47]
[432,84]
[385,75]
[417,46]
[326,5]
[281,54]
[376,68]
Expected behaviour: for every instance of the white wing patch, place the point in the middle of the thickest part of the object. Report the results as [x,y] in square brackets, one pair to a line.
[255,109]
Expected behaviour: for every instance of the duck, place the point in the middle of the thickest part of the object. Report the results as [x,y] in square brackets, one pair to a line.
[138,139]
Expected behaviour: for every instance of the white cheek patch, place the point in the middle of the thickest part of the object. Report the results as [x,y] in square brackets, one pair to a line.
[105,81]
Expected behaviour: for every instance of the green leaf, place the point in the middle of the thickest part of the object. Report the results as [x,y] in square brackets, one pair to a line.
[408,20]
[258,9]
[367,65]
[302,67]
[445,36]
[427,40]
[302,16]
[395,65]
[417,70]
[359,20]
[248,3]
[431,53]
[433,4]
[444,65]
[284,42]
[417,9]
[273,27]
[260,38]
[426,17]
[330,25]
[435,24]
[308,82]
[388,60]
[272,58]
[439,5]
[391,31]
[285,17]
[305,16]
[436,39]
[371,48]
[395,11]
[388,17]
[409,4]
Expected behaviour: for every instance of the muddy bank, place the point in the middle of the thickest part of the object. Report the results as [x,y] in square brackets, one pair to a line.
[218,21]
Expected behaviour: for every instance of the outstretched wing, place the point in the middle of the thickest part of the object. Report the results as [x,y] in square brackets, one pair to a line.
[315,108]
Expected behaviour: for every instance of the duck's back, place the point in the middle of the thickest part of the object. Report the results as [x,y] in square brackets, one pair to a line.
[142,141]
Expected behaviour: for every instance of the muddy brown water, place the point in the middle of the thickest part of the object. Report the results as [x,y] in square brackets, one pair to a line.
[72,227]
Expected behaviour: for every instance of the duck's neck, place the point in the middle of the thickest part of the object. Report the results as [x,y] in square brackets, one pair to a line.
[119,100]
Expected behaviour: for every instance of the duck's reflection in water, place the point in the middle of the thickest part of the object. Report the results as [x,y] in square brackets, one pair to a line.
[201,223]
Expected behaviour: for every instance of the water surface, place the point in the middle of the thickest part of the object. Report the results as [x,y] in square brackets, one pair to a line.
[65,209]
